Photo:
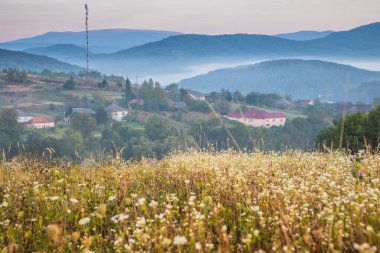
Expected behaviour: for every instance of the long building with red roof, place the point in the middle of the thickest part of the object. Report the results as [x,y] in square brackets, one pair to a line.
[40,122]
[259,118]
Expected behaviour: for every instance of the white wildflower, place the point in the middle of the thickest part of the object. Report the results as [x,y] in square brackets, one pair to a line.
[84,221]
[179,240]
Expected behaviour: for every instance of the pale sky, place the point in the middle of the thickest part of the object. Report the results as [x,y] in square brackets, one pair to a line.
[25,18]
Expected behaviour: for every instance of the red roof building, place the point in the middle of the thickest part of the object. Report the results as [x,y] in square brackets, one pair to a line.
[259,118]
[40,122]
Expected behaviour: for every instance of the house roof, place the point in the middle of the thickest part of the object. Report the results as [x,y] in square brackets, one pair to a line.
[257,114]
[115,108]
[196,93]
[137,101]
[178,105]
[83,110]
[364,108]
[21,113]
[41,120]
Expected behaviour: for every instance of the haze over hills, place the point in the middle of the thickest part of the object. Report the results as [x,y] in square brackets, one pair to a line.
[363,41]
[298,78]
[59,51]
[177,53]
[101,41]
[304,35]
[26,61]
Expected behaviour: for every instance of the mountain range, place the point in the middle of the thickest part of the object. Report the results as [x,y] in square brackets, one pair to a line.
[59,51]
[304,35]
[298,78]
[26,61]
[177,53]
[101,41]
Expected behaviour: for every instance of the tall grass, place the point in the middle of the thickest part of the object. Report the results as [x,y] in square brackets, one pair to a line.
[194,202]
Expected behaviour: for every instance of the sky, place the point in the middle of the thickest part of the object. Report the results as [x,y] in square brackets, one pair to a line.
[25,18]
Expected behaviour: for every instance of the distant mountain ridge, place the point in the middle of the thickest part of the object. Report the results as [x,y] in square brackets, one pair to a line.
[26,61]
[177,53]
[304,35]
[101,41]
[298,78]
[59,51]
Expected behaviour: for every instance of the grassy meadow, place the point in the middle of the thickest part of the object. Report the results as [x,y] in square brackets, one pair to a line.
[193,202]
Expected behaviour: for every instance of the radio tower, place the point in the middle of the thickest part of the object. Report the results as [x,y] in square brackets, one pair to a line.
[85,6]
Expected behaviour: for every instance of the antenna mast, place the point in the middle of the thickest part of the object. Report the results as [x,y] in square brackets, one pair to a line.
[86,7]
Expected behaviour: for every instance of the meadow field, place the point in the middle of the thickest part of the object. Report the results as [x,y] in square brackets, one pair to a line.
[193,202]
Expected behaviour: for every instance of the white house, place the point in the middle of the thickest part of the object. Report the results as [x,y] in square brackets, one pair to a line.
[41,122]
[116,112]
[259,118]
[23,117]
[196,95]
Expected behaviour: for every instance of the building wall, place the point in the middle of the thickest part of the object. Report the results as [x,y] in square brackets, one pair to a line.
[24,119]
[118,116]
[261,122]
[43,125]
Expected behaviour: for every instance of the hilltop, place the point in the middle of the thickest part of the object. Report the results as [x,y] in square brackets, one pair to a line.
[26,61]
[304,35]
[298,78]
[59,51]
[102,41]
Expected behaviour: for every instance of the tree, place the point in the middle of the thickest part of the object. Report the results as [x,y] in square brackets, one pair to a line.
[238,97]
[157,128]
[101,115]
[103,84]
[226,95]
[14,75]
[84,123]
[9,131]
[128,90]
[173,87]
[223,107]
[69,84]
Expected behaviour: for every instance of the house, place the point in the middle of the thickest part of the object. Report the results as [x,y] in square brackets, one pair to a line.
[258,118]
[116,112]
[305,102]
[40,122]
[23,117]
[196,95]
[178,106]
[134,103]
[363,108]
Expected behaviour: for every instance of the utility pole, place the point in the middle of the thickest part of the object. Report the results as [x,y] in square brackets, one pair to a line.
[86,7]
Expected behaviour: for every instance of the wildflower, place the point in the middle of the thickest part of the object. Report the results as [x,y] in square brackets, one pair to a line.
[111,198]
[187,181]
[166,242]
[361,174]
[256,232]
[153,204]
[74,201]
[84,221]
[140,222]
[198,246]
[179,240]
[353,157]
[54,198]
[54,233]
[141,201]
[75,236]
